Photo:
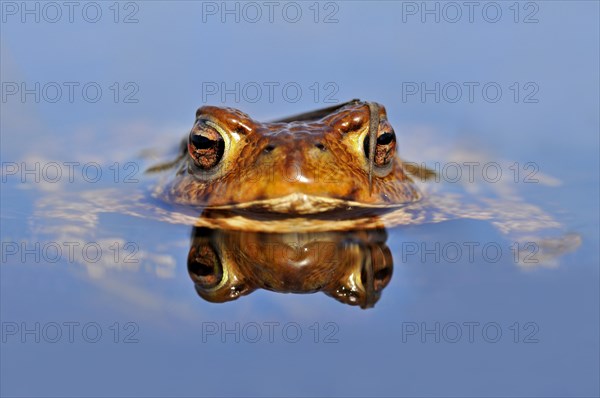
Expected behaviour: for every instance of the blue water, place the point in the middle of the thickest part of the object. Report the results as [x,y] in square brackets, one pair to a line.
[535,326]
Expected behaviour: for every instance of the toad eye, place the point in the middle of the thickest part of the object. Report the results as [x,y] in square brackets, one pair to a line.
[204,266]
[205,145]
[385,145]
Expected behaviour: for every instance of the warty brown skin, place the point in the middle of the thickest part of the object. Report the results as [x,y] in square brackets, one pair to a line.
[320,159]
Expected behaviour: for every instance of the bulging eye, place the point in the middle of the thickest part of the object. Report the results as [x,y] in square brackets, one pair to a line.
[204,266]
[385,145]
[205,145]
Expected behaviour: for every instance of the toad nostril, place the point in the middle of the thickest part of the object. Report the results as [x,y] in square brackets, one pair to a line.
[320,146]
[269,148]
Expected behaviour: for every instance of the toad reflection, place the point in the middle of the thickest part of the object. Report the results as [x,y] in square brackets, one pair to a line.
[352,267]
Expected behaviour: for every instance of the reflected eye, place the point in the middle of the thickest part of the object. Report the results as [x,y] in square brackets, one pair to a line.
[385,146]
[383,267]
[204,266]
[205,145]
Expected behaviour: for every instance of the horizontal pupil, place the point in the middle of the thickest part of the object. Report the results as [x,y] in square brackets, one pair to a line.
[202,142]
[385,138]
[203,269]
